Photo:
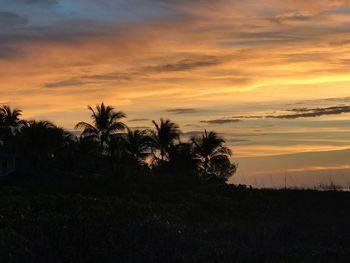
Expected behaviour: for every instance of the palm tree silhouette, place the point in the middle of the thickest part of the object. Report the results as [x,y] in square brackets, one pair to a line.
[33,124]
[164,137]
[10,119]
[2,127]
[129,150]
[86,146]
[105,122]
[182,158]
[44,134]
[41,140]
[137,144]
[213,156]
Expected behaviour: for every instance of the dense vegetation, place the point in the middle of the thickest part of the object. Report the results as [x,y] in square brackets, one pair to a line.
[164,221]
[120,195]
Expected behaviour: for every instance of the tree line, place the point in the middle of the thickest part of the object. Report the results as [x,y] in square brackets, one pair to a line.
[107,146]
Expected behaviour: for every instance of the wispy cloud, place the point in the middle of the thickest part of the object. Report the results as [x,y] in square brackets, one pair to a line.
[312,113]
[293,16]
[8,19]
[221,121]
[188,64]
[64,83]
[139,120]
[182,111]
[9,53]
[297,113]
[38,2]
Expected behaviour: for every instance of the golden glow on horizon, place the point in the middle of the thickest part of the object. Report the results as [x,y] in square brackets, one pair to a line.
[268,150]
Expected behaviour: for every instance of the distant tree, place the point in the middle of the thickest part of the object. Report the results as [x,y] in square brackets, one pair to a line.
[129,151]
[213,157]
[105,123]
[164,137]
[182,158]
[86,146]
[79,153]
[2,128]
[11,117]
[137,144]
[9,120]
[41,140]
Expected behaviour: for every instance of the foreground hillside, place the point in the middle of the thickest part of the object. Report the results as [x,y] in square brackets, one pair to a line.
[164,220]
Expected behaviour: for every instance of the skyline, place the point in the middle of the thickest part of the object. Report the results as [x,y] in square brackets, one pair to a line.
[271,76]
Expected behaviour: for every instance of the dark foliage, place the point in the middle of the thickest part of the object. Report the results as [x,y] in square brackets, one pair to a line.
[168,219]
[212,156]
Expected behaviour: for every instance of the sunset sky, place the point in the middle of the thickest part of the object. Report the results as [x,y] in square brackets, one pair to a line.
[271,76]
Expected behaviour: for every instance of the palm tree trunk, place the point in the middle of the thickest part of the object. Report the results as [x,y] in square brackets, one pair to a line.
[101,144]
[162,155]
[206,162]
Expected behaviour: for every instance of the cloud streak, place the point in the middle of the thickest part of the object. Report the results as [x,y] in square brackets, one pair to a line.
[312,113]
[221,121]
[187,64]
[182,111]
[8,19]
[64,83]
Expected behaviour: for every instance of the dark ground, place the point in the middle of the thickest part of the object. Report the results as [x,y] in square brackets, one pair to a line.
[169,220]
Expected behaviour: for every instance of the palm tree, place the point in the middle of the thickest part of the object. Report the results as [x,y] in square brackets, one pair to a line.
[136,143]
[214,158]
[164,137]
[105,123]
[2,126]
[10,119]
[182,158]
[41,141]
[129,150]
[33,124]
[43,135]
[86,146]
